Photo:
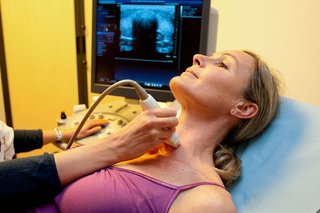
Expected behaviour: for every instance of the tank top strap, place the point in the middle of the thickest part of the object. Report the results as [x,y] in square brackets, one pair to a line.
[189,186]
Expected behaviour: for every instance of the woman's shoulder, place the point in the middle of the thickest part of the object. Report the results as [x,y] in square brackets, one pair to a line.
[214,198]
[205,198]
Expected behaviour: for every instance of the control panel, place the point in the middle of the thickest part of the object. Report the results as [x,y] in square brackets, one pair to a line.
[118,113]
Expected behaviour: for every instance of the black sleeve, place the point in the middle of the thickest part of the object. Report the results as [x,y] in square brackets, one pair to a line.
[27,140]
[28,182]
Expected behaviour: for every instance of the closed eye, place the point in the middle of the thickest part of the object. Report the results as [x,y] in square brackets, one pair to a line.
[221,64]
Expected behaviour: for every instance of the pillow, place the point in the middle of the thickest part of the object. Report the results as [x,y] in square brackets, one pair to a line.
[281,166]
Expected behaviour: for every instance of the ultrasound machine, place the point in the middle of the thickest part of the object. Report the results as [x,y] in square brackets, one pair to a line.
[147,41]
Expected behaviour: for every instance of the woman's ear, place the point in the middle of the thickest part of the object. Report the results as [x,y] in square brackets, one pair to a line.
[245,110]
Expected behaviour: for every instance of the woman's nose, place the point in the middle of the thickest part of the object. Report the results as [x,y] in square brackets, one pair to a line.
[199,60]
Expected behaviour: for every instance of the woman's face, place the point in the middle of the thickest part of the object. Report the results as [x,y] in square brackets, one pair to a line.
[214,81]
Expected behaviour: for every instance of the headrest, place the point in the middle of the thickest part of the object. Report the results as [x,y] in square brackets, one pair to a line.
[281,166]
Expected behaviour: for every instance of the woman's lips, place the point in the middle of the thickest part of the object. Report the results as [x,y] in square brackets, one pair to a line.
[192,72]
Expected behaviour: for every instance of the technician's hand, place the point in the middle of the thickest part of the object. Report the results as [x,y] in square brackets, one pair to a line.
[91,127]
[146,131]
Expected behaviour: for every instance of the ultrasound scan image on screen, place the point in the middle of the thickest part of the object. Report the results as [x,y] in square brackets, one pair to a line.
[147,31]
[146,41]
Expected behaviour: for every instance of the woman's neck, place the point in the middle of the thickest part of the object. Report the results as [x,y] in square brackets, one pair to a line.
[199,137]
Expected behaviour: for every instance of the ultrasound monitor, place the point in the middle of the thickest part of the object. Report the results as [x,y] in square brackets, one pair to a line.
[148,41]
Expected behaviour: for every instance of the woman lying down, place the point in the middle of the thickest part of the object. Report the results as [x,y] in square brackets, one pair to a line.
[225,98]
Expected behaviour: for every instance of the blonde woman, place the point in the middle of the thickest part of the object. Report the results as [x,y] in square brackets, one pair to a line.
[225,98]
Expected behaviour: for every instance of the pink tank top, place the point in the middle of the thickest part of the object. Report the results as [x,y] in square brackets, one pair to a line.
[118,190]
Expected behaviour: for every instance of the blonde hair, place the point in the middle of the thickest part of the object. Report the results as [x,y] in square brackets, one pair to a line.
[262,89]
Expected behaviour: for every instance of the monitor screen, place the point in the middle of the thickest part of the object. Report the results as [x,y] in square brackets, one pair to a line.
[148,41]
